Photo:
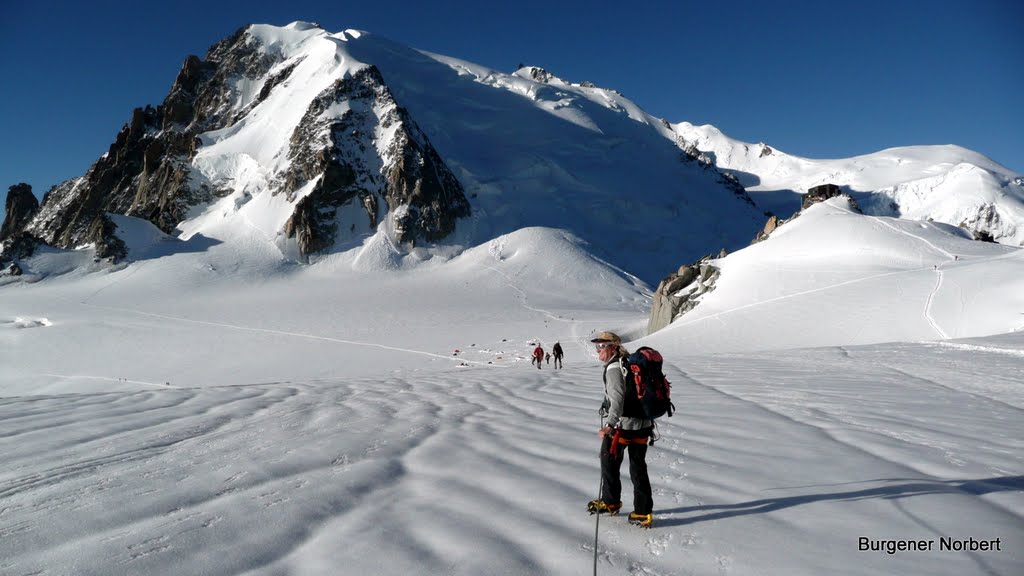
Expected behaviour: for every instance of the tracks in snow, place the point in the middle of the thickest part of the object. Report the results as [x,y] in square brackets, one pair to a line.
[927,313]
[291,334]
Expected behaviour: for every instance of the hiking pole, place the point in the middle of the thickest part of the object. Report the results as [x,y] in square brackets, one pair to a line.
[600,489]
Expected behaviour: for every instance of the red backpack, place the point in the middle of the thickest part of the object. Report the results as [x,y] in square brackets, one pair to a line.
[653,392]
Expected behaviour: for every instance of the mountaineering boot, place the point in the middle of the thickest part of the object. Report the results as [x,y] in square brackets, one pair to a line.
[599,507]
[642,520]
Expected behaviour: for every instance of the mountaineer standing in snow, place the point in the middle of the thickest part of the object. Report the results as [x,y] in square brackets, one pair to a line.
[556,351]
[538,356]
[620,434]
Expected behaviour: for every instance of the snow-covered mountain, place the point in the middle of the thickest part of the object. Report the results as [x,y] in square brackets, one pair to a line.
[946,184]
[237,395]
[318,143]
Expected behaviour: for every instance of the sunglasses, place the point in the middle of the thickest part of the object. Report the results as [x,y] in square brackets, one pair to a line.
[604,345]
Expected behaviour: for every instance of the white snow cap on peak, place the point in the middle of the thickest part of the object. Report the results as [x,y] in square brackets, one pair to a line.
[301,25]
[284,40]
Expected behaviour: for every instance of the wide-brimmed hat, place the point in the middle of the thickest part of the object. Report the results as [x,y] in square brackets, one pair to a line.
[607,337]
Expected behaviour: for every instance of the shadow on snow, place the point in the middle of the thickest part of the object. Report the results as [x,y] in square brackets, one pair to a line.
[905,490]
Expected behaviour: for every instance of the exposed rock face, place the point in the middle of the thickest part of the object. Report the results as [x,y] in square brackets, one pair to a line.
[769,227]
[20,245]
[540,75]
[108,245]
[15,243]
[354,168]
[681,291]
[21,205]
[824,192]
[986,219]
[148,171]
[10,269]
[692,154]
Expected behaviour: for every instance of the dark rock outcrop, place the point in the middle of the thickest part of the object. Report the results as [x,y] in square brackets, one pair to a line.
[405,172]
[108,245]
[824,192]
[18,246]
[9,269]
[693,155]
[769,227]
[147,172]
[541,75]
[19,209]
[680,292]
[15,243]
[982,222]
[983,236]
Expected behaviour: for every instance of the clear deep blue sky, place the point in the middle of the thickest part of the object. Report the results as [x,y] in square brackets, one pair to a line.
[815,78]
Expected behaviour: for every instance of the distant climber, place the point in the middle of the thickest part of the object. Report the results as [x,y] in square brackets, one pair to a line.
[556,351]
[538,356]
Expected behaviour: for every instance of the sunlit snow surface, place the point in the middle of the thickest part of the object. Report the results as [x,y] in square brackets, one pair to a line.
[947,183]
[211,408]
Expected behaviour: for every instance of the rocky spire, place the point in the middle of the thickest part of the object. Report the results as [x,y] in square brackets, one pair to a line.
[21,205]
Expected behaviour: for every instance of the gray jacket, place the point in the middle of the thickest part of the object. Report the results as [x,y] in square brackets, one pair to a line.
[615,398]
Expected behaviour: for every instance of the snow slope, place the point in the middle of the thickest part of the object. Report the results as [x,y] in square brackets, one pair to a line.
[836,277]
[773,464]
[528,148]
[945,183]
[227,315]
[219,410]
[209,406]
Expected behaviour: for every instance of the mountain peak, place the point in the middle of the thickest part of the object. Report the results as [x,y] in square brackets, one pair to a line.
[317,143]
[945,183]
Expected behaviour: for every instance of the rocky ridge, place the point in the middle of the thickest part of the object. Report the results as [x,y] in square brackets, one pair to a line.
[148,171]
[351,170]
[681,291]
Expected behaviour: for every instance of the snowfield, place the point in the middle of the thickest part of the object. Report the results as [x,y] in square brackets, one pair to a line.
[850,395]
[773,464]
[210,408]
[833,276]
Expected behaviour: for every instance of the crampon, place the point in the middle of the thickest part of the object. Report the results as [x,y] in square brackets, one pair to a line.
[600,507]
[641,520]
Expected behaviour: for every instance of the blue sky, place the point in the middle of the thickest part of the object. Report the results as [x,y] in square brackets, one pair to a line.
[814,79]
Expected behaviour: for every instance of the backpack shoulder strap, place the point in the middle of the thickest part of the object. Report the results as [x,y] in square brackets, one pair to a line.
[613,364]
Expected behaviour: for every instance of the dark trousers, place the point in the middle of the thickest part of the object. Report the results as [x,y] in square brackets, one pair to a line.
[611,492]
